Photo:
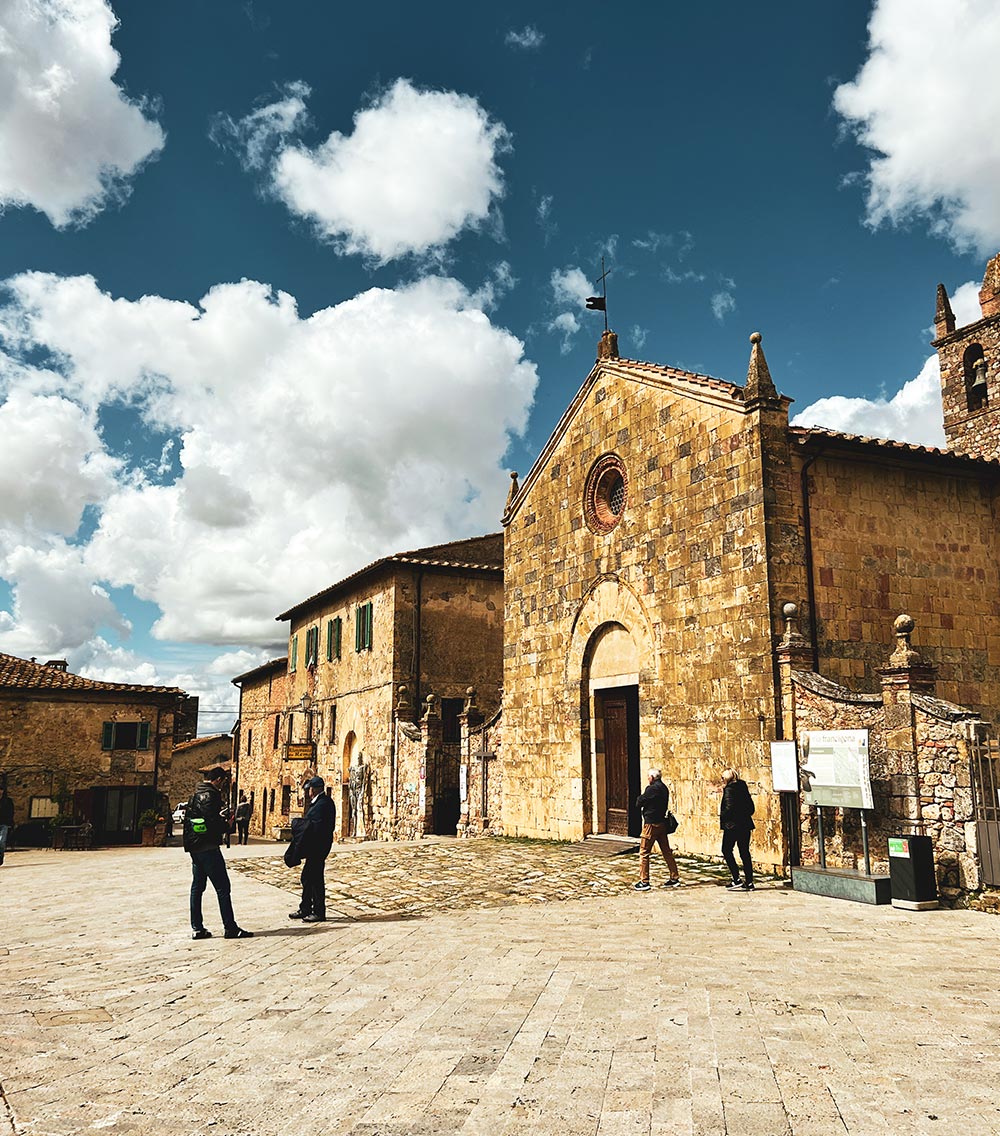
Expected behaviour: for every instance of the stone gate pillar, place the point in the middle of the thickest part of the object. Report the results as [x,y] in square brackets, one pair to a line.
[907,674]
[431,735]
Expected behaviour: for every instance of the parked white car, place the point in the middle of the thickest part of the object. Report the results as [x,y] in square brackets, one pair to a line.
[179,812]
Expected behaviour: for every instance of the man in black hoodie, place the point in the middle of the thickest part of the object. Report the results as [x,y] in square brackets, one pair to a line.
[313,841]
[654,802]
[205,828]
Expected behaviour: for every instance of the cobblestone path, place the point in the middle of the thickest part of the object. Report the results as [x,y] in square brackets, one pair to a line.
[450,995]
[454,875]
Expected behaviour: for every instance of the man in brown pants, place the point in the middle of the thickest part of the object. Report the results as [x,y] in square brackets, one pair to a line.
[654,802]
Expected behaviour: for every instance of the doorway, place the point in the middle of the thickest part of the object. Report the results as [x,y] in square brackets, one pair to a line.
[617,711]
[116,810]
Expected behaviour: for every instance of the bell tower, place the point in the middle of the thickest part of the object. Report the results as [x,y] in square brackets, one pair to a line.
[970,371]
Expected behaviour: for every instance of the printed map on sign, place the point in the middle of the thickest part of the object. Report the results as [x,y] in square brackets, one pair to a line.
[833,768]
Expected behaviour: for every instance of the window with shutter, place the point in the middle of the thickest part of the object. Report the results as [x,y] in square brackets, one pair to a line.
[329,640]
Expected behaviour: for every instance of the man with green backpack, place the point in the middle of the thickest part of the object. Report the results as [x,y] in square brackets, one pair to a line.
[206,825]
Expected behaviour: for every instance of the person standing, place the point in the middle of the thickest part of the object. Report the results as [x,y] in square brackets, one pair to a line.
[736,822]
[313,841]
[6,821]
[206,824]
[654,802]
[244,811]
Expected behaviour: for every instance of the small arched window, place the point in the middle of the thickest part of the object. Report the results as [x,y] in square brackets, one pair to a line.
[974,371]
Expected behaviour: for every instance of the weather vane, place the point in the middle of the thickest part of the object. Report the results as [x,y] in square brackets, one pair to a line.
[600,303]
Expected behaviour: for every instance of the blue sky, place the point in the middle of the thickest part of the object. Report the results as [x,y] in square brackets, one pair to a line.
[292,286]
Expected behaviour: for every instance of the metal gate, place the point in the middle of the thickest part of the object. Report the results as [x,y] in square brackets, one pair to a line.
[985,751]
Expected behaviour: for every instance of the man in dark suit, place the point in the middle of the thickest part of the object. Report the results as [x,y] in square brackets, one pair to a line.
[736,822]
[313,840]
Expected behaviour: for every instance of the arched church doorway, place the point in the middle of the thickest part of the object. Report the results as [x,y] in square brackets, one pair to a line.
[612,695]
[351,756]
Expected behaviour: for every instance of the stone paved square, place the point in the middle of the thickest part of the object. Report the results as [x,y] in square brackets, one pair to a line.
[483,987]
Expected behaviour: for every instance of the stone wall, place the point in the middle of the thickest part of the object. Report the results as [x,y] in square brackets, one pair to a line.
[919,756]
[911,537]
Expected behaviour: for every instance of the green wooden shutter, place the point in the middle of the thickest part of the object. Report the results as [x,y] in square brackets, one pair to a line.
[329,640]
[295,653]
[338,627]
[357,628]
[143,735]
[108,736]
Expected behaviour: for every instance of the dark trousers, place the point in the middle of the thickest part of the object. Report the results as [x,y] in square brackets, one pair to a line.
[208,864]
[313,887]
[741,838]
[243,829]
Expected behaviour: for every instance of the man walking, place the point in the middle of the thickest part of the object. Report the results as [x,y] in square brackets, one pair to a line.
[205,827]
[244,810]
[654,802]
[736,822]
[313,842]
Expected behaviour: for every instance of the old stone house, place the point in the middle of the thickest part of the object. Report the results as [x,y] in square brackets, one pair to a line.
[652,548]
[418,624]
[96,752]
[192,757]
[259,766]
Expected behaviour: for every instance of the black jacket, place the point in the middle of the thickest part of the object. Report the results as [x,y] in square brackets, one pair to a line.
[654,802]
[315,838]
[204,811]
[736,809]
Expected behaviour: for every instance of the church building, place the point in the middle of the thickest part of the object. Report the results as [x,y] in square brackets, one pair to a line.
[650,552]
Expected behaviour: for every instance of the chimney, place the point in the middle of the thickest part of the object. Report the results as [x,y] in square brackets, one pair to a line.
[58,664]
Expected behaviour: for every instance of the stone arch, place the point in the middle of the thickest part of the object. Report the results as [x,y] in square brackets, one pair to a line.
[610,600]
[612,643]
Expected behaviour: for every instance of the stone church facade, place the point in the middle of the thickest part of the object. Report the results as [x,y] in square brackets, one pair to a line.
[652,548]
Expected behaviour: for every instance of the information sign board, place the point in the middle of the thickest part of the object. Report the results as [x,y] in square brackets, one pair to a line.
[833,768]
[784,768]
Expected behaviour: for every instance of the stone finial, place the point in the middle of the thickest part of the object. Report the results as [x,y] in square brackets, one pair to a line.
[512,491]
[904,654]
[944,317]
[430,707]
[470,700]
[989,294]
[759,382]
[792,636]
[607,347]
[403,707]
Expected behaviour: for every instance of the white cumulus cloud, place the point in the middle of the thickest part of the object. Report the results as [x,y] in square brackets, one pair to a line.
[927,104]
[69,137]
[419,167]
[306,447]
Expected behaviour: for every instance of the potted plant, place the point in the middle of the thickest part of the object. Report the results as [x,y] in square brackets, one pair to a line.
[148,820]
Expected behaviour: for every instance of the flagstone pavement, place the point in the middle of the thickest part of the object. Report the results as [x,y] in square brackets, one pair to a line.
[479,987]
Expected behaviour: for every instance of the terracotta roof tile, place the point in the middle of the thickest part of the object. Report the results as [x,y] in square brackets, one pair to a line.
[22,674]
[804,434]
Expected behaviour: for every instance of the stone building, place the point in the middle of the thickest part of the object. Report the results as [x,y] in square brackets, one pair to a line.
[429,621]
[192,757]
[97,752]
[259,765]
[651,549]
